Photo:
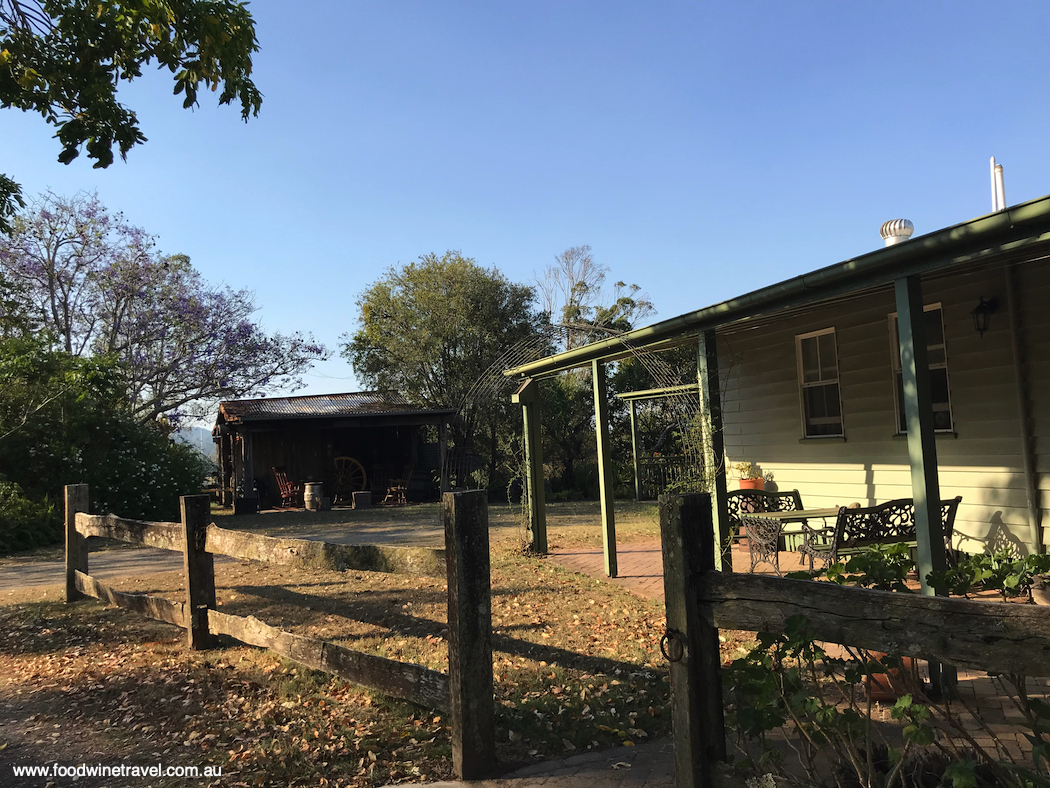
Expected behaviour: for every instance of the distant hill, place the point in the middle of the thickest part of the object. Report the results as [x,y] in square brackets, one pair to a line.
[199,438]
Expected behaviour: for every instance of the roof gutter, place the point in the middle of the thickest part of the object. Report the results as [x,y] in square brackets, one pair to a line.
[1020,225]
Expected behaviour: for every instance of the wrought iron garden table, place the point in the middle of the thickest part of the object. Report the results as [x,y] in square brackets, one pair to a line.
[764,531]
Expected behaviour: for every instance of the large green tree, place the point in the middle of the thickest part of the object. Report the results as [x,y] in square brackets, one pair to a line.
[65,59]
[431,329]
[63,421]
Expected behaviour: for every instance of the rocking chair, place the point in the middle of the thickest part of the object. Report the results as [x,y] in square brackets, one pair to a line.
[291,494]
[397,490]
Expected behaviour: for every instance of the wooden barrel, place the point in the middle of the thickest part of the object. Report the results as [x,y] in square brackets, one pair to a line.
[312,494]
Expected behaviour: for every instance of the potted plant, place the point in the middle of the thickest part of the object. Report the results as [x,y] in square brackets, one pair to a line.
[750,476]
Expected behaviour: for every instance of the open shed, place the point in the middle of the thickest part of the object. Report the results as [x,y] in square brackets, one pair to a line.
[385,435]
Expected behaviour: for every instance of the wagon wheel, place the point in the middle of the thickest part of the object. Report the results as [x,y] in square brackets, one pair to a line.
[350,474]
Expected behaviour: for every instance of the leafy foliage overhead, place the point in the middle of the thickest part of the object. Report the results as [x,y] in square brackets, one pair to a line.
[64,59]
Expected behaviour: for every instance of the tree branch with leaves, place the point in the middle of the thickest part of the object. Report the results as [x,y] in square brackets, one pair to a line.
[65,60]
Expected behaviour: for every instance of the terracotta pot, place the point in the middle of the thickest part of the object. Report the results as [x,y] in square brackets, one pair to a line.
[1041,590]
[894,684]
[752,484]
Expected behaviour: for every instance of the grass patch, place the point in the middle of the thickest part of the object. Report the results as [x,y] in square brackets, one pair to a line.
[576,667]
[576,660]
[569,524]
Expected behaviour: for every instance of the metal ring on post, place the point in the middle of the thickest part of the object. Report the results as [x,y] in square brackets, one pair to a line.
[672,636]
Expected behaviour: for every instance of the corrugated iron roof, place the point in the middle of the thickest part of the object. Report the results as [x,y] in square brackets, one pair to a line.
[355,403]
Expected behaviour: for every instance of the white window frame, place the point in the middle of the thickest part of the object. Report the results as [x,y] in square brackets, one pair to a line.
[803,385]
[895,368]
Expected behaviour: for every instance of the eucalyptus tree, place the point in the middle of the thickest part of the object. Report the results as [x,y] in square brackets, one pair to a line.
[575,292]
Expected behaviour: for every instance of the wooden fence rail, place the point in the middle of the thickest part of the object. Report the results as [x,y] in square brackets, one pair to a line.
[980,635]
[166,536]
[992,636]
[428,688]
[154,607]
[464,563]
[307,553]
[300,553]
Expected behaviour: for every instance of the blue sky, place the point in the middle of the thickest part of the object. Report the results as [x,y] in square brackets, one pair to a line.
[702,150]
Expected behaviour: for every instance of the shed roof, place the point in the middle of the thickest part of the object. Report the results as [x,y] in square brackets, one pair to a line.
[350,404]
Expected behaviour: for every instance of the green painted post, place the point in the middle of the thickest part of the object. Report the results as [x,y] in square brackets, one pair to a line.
[922,447]
[918,413]
[714,447]
[528,396]
[634,452]
[605,477]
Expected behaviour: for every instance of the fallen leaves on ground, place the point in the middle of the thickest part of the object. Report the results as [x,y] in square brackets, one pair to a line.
[576,667]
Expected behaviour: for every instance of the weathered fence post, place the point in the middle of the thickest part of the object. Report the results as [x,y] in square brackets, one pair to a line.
[200,569]
[470,634]
[76,545]
[691,642]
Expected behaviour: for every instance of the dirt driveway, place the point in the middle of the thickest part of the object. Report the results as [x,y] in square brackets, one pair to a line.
[570,524]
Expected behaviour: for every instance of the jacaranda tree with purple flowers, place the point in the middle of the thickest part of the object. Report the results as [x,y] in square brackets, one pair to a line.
[100,288]
[57,249]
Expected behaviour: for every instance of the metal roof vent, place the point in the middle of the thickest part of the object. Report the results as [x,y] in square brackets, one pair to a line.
[896,230]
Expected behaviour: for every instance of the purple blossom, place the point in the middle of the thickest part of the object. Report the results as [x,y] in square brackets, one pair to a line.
[181,343]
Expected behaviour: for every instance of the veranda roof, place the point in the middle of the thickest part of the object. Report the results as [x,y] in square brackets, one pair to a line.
[1021,232]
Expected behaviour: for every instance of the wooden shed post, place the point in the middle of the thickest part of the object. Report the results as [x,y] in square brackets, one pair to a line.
[714,446]
[200,569]
[76,545]
[691,642]
[528,396]
[470,633]
[605,476]
[443,455]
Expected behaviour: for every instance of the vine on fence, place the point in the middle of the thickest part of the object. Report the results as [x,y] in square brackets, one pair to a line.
[789,681]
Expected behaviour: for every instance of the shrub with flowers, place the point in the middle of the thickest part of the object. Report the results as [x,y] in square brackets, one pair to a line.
[62,422]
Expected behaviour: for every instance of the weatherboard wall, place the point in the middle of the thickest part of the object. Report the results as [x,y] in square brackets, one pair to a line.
[981,460]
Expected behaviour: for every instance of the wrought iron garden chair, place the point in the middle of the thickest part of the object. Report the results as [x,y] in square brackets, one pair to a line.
[892,522]
[763,535]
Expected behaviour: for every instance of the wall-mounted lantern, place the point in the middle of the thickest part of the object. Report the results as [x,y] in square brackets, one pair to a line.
[982,314]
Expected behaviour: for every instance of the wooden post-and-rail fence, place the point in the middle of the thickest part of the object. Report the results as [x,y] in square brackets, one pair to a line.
[992,636]
[465,692]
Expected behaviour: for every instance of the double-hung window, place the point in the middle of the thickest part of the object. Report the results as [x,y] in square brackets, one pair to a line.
[938,362]
[818,376]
